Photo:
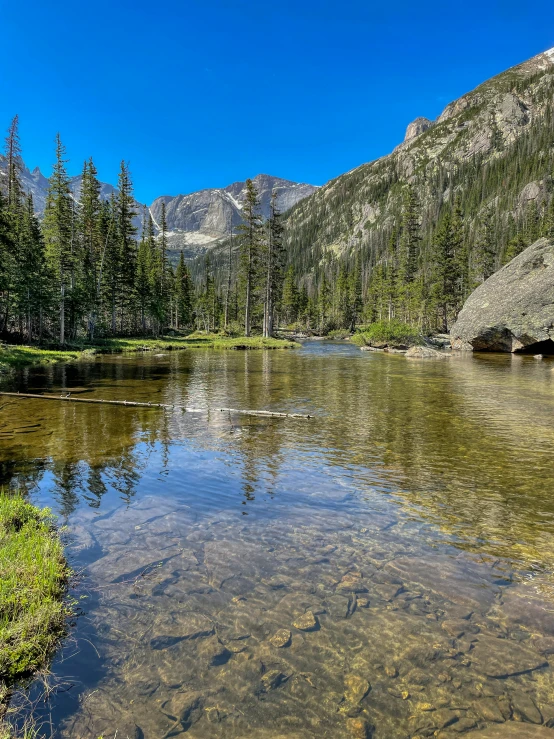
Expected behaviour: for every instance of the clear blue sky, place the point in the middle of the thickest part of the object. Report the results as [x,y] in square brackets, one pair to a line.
[199,94]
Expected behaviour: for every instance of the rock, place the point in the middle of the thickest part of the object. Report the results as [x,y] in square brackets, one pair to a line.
[490,710]
[544,644]
[214,652]
[358,728]
[456,627]
[524,708]
[272,679]
[417,127]
[356,688]
[525,609]
[281,638]
[513,730]
[425,352]
[306,622]
[179,627]
[514,309]
[504,657]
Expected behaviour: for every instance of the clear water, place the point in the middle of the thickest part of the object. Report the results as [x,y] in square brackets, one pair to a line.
[383,569]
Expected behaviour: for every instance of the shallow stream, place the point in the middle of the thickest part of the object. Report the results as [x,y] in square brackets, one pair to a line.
[384,569]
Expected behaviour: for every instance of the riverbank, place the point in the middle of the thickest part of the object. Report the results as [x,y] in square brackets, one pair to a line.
[33,583]
[12,356]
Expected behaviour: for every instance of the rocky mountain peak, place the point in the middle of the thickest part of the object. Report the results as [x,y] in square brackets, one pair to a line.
[415,128]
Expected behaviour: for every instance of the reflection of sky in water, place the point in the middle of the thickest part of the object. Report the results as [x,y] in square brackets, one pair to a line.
[379,516]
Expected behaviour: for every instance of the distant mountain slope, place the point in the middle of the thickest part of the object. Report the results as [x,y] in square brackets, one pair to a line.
[199,220]
[491,147]
[196,221]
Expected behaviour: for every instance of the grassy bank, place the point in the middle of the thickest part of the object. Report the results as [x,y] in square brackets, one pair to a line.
[388,333]
[21,356]
[33,581]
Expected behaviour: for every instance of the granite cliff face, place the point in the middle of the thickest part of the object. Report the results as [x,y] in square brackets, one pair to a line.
[512,311]
[199,220]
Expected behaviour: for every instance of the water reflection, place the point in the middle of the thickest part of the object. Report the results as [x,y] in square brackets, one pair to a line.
[408,527]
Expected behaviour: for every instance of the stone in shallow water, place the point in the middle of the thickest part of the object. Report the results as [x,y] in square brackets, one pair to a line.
[306,622]
[491,710]
[281,638]
[525,709]
[504,657]
[525,609]
[356,688]
[513,730]
[173,628]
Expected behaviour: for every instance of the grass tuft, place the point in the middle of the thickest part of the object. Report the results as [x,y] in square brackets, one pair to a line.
[33,583]
[390,333]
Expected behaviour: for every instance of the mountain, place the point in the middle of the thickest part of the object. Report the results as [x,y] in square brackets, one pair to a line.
[199,220]
[491,151]
[35,182]
[196,221]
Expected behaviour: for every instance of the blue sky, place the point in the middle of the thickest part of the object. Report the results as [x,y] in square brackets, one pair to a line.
[199,94]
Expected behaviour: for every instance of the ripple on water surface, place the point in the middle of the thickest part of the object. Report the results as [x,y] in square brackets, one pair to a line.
[382,570]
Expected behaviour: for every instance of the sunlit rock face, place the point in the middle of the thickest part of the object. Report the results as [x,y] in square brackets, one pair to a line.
[512,311]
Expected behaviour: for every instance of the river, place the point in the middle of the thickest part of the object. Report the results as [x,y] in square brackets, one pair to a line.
[382,569]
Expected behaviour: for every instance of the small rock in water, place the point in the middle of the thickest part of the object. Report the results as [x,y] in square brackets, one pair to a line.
[525,709]
[281,638]
[356,688]
[272,679]
[538,356]
[489,710]
[306,622]
[358,728]
[504,657]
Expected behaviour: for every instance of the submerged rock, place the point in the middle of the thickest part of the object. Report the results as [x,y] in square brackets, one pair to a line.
[306,622]
[514,309]
[504,657]
[281,638]
[425,352]
[513,730]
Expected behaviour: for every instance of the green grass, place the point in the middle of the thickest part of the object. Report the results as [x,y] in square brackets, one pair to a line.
[393,333]
[20,356]
[33,583]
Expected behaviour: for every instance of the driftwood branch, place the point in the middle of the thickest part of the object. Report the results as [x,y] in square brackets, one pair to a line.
[68,398]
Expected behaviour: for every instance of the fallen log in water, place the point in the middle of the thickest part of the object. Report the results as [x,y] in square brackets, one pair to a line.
[168,406]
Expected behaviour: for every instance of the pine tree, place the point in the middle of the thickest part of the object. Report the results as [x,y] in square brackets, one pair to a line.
[445,279]
[274,263]
[183,294]
[290,299]
[13,161]
[355,290]
[484,251]
[324,304]
[409,246]
[7,248]
[90,241]
[126,232]
[58,231]
[251,232]
[514,247]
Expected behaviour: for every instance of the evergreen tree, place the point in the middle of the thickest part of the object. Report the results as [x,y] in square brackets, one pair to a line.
[90,241]
[484,252]
[183,294]
[58,232]
[126,232]
[274,263]
[444,290]
[251,232]
[290,299]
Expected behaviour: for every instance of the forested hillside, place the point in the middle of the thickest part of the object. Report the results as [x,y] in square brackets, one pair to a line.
[448,207]
[410,235]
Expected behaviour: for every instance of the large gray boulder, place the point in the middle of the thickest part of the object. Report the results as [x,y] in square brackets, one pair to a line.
[512,311]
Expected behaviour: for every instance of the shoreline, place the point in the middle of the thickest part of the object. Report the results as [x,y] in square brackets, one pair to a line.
[14,356]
